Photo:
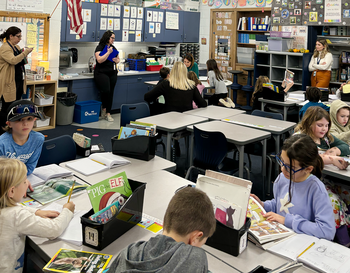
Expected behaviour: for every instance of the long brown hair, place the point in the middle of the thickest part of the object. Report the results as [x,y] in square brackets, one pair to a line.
[212,65]
[259,85]
[324,51]
[190,58]
[313,114]
[193,77]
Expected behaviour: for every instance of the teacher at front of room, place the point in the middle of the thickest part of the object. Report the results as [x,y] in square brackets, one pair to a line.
[105,74]
[12,72]
[191,64]
[321,64]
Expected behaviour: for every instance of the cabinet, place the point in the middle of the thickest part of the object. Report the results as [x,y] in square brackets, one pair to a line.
[274,64]
[50,88]
[174,35]
[149,37]
[191,27]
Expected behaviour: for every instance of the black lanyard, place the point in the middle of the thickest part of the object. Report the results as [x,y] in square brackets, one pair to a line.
[318,60]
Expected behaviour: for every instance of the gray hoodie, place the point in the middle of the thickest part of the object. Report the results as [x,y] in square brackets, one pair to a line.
[161,254]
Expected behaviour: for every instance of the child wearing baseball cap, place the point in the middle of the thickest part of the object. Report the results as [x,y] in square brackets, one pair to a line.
[19,140]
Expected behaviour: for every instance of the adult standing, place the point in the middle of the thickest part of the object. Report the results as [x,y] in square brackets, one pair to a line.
[321,65]
[12,72]
[191,64]
[106,72]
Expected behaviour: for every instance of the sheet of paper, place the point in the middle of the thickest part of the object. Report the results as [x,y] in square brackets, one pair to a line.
[74,232]
[110,24]
[155,16]
[140,13]
[84,28]
[149,16]
[87,15]
[132,24]
[125,23]
[160,16]
[139,25]
[110,10]
[138,36]
[103,24]
[125,37]
[158,27]
[126,11]
[151,28]
[104,9]
[172,20]
[117,10]
[133,12]
[116,27]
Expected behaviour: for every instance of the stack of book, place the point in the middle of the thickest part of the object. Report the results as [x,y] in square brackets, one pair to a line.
[81,140]
[254,23]
[137,129]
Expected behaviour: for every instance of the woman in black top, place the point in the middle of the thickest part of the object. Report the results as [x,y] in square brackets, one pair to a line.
[105,73]
[178,91]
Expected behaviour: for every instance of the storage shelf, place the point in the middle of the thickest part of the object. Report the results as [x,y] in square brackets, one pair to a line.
[254,31]
[295,68]
[244,44]
[45,105]
[264,65]
[280,67]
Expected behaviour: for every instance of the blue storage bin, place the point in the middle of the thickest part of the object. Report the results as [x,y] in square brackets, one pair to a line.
[87,111]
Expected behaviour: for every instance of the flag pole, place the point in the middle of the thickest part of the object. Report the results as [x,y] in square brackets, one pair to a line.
[55,8]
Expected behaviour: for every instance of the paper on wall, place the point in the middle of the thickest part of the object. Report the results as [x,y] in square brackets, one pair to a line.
[151,28]
[104,9]
[133,12]
[140,13]
[117,24]
[103,24]
[160,16]
[117,10]
[87,15]
[138,36]
[110,10]
[132,24]
[157,27]
[139,25]
[155,16]
[126,11]
[125,37]
[110,24]
[149,16]
[125,23]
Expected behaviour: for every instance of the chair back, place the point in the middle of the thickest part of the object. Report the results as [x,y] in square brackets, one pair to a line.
[210,149]
[131,112]
[263,114]
[57,150]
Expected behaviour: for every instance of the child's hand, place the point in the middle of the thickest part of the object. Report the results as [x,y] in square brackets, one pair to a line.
[333,151]
[271,216]
[257,199]
[339,162]
[30,187]
[70,206]
[47,213]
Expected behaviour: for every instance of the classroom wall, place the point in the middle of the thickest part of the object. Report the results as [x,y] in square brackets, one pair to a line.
[204,32]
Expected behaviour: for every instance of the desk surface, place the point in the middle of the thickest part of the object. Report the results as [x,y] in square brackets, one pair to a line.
[273,126]
[172,121]
[213,112]
[205,83]
[283,103]
[334,171]
[234,133]
[136,168]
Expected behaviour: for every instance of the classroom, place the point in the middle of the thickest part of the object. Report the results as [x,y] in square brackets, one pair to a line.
[129,105]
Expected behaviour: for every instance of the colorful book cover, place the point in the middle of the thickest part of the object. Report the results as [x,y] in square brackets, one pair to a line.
[289,76]
[104,215]
[108,191]
[147,126]
[126,132]
[271,86]
[68,260]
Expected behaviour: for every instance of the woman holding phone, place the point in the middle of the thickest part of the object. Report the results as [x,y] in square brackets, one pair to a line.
[12,72]
[106,72]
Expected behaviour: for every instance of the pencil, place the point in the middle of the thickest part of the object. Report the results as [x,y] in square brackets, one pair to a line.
[71,190]
[306,250]
[98,162]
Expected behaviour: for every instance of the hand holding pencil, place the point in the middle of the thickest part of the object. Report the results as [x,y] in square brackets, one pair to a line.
[70,205]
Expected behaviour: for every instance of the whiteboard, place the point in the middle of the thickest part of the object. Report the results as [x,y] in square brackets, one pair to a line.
[27,5]
[22,26]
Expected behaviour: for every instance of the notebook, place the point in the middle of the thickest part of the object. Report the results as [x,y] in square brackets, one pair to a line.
[97,163]
[41,174]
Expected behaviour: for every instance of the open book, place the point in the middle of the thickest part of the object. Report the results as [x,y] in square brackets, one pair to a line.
[41,174]
[262,231]
[289,76]
[229,196]
[55,189]
[320,254]
[97,163]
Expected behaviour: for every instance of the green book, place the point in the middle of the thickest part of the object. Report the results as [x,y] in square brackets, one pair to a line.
[108,191]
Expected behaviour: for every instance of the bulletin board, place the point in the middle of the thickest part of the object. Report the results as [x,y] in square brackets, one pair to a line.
[35,30]
[312,12]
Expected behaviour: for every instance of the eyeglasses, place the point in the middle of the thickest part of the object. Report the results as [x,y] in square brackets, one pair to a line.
[21,109]
[113,38]
[288,168]
[18,36]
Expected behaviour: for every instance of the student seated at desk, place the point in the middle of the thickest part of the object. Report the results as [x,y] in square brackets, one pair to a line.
[17,221]
[178,91]
[164,73]
[340,90]
[313,94]
[316,123]
[189,220]
[339,113]
[156,106]
[301,201]
[193,77]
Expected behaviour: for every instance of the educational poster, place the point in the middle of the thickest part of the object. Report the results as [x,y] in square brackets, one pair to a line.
[125,37]
[87,15]
[110,10]
[286,12]
[160,16]
[103,23]
[155,16]
[158,26]
[151,28]
[139,25]
[117,24]
[171,20]
[110,24]
[26,5]
[140,13]
[125,23]
[133,12]
[332,14]
[138,36]
[117,10]
[126,11]
[299,33]
[132,24]
[104,9]
[149,16]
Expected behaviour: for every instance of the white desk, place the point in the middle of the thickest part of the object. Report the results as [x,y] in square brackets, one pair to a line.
[286,104]
[213,112]
[136,168]
[160,188]
[172,122]
[274,126]
[238,135]
[334,171]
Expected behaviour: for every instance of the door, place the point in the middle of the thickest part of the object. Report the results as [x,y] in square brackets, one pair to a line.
[191,27]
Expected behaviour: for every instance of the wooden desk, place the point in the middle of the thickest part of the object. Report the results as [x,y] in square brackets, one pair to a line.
[274,126]
[136,168]
[160,188]
[213,112]
[172,122]
[236,134]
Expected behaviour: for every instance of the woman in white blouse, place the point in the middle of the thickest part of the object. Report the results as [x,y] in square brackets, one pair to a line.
[321,64]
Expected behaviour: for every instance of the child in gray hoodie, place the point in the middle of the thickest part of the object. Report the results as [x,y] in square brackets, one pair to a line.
[188,222]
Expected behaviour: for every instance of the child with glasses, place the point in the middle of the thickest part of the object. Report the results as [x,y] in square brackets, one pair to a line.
[301,201]
[20,141]
[316,124]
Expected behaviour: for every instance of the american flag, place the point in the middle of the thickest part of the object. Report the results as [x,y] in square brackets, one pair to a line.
[75,16]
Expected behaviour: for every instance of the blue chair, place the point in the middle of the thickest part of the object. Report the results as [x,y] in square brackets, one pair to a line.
[132,112]
[210,150]
[57,150]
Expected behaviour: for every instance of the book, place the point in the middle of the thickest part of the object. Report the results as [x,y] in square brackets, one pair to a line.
[289,76]
[271,86]
[261,230]
[104,215]
[97,162]
[142,125]
[41,174]
[54,189]
[126,132]
[229,195]
[108,191]
[320,254]
[112,55]
[68,260]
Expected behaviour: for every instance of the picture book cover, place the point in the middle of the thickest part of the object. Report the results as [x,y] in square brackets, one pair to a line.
[226,213]
[289,76]
[271,86]
[55,189]
[68,260]
[104,215]
[108,191]
[143,125]
[126,132]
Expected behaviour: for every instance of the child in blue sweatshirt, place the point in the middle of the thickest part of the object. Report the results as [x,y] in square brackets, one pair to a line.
[20,141]
[313,94]
[301,201]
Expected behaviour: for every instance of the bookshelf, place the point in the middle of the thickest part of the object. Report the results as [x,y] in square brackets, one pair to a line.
[50,88]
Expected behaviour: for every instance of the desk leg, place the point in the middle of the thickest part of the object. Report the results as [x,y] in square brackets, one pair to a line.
[241,160]
[229,90]
[277,148]
[285,111]
[264,164]
[263,106]
[191,140]
[168,146]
